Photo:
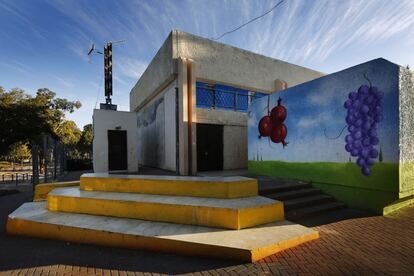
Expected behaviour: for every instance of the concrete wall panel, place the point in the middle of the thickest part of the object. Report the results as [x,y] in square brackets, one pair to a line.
[159,73]
[103,120]
[225,64]
[234,147]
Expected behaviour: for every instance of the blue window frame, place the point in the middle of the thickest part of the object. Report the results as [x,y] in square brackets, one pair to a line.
[221,96]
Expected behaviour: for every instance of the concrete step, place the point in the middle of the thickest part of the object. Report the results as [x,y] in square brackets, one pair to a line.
[306,201]
[252,244]
[214,187]
[283,196]
[310,211]
[236,213]
[272,187]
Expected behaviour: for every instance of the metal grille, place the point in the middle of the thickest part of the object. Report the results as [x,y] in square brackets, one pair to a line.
[218,96]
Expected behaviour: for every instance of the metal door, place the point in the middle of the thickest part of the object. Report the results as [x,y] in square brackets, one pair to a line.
[117,150]
[209,147]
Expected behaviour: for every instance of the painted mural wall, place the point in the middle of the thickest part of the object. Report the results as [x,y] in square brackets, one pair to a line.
[340,131]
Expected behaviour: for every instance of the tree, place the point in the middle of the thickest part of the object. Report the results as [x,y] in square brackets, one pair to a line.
[85,142]
[27,117]
[69,135]
[380,158]
[18,153]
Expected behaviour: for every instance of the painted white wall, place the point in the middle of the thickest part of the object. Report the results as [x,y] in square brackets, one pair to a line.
[104,120]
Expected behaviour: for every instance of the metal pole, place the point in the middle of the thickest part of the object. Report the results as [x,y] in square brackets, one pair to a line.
[235,101]
[45,156]
[35,166]
[177,142]
[55,158]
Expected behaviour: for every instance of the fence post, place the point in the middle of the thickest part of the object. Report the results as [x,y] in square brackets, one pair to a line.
[55,158]
[214,98]
[45,156]
[235,101]
[17,178]
[35,166]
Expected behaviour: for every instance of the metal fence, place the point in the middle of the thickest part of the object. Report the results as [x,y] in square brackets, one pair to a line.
[48,160]
[224,97]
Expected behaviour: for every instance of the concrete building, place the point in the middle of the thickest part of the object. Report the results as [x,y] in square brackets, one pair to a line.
[191,105]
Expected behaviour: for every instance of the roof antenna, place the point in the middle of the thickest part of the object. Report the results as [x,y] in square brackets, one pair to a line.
[107,53]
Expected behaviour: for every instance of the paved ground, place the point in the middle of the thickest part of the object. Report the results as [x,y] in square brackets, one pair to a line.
[357,246]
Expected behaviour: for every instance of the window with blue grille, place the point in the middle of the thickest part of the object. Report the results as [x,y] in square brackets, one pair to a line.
[221,96]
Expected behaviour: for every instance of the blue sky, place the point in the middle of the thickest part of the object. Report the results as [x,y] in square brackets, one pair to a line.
[44,43]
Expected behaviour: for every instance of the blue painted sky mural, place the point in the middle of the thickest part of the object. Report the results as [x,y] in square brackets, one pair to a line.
[315,111]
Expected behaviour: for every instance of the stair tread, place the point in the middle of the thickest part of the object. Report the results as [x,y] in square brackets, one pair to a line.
[170,237]
[314,209]
[298,193]
[307,199]
[272,188]
[213,187]
[167,177]
[233,203]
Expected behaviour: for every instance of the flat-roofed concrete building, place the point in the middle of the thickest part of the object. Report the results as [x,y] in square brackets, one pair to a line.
[191,102]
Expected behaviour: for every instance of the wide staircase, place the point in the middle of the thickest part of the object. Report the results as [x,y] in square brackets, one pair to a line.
[301,200]
[207,216]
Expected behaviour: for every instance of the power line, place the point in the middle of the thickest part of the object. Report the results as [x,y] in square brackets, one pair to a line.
[250,21]
[99,90]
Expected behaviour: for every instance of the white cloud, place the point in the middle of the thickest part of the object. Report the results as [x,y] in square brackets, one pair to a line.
[318,121]
[64,82]
[131,68]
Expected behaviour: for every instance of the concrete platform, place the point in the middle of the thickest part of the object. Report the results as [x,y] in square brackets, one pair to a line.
[42,190]
[214,187]
[33,219]
[237,213]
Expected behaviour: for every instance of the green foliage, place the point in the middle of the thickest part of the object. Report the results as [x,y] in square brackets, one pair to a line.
[24,118]
[18,152]
[68,133]
[85,142]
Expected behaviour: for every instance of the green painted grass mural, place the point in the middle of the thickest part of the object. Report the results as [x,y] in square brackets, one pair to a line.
[342,180]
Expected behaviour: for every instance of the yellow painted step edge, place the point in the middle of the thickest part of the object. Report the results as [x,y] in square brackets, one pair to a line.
[80,235]
[183,214]
[235,189]
[42,190]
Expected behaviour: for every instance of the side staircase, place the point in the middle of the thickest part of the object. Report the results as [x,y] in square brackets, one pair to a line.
[301,200]
[206,216]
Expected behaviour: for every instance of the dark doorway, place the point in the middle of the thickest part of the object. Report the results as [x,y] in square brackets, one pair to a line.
[209,147]
[117,150]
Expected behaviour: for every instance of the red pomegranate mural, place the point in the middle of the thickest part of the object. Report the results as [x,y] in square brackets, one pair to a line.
[272,124]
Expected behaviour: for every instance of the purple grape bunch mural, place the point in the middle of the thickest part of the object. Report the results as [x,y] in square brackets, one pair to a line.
[364,113]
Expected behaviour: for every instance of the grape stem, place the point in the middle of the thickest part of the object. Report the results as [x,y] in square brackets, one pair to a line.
[268,104]
[365,76]
[333,138]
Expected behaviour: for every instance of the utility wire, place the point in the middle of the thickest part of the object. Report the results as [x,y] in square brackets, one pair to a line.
[99,90]
[250,21]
